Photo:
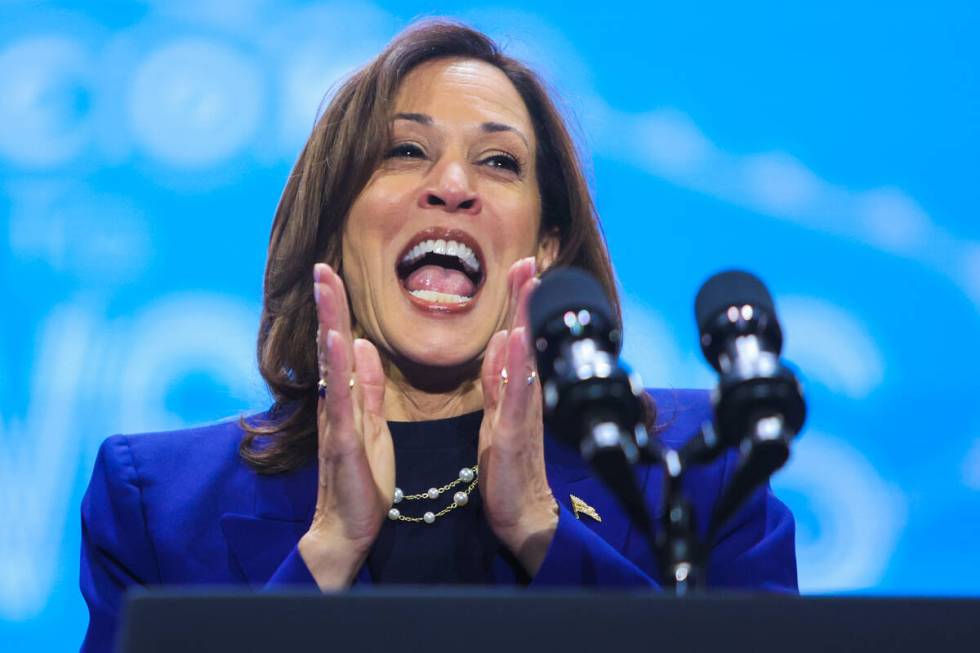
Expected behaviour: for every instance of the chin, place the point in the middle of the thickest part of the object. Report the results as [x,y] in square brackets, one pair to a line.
[441,353]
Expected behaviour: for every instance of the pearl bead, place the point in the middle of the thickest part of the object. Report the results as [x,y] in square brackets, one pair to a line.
[399,495]
[466,474]
[428,518]
[460,498]
[433,493]
[394,514]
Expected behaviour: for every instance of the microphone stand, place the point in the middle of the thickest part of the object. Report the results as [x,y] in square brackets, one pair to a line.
[682,554]
[764,450]
[677,540]
[677,546]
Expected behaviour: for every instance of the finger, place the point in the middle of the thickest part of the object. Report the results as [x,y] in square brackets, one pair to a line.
[370,377]
[521,316]
[337,405]
[327,309]
[323,273]
[327,321]
[493,362]
[517,275]
[333,314]
[515,403]
[321,351]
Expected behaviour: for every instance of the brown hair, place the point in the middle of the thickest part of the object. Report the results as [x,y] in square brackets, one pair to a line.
[346,146]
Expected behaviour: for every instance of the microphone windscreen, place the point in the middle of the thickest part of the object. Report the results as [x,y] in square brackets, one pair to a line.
[567,289]
[731,288]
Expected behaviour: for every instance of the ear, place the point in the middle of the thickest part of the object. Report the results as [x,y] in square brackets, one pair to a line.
[549,247]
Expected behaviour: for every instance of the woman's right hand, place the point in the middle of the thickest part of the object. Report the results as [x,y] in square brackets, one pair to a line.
[355,454]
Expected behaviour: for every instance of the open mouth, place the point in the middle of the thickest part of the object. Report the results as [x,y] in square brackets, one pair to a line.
[441,268]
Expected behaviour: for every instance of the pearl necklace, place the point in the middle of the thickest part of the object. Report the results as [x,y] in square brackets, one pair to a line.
[460,499]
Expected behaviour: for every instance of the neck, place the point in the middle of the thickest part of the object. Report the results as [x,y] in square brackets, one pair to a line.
[414,393]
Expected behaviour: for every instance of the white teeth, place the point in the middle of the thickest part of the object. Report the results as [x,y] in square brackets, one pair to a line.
[444,247]
[439,297]
[470,261]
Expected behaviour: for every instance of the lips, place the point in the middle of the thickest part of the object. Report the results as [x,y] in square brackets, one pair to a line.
[441,268]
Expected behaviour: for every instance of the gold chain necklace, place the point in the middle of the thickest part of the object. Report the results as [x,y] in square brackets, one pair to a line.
[460,498]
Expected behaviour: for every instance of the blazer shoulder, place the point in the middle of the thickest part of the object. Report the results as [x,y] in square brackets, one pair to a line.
[209,451]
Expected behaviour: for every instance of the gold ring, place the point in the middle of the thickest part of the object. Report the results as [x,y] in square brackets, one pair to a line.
[530,377]
[321,388]
[503,375]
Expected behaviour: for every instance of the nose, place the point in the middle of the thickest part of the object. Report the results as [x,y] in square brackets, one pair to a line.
[449,188]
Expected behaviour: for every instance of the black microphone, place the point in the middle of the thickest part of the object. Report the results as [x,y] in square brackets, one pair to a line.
[759,405]
[591,400]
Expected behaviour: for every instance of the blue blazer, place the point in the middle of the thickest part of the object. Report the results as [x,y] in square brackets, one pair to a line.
[182,508]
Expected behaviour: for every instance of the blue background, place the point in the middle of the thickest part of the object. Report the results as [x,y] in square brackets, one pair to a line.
[831,148]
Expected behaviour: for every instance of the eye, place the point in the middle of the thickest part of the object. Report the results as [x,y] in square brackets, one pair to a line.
[405,151]
[503,162]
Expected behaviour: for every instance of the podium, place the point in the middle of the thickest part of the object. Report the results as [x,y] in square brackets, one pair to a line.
[511,621]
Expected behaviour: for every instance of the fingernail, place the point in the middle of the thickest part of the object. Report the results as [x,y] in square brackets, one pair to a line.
[525,338]
[316,293]
[500,336]
[331,339]
[319,270]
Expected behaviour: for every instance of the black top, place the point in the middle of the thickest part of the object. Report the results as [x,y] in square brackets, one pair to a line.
[459,547]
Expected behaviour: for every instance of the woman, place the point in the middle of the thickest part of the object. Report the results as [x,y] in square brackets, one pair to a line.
[406,441]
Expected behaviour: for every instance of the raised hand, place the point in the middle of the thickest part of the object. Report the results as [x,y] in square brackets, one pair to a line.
[355,454]
[519,504]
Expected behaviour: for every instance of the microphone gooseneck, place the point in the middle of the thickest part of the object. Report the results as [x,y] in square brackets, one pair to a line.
[758,404]
[591,400]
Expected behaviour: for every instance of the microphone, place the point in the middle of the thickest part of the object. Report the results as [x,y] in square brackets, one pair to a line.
[759,405]
[591,400]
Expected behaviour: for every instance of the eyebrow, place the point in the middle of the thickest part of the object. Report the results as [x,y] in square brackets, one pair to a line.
[487,127]
[420,118]
[492,127]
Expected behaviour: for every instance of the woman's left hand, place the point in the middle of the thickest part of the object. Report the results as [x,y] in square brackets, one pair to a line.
[519,504]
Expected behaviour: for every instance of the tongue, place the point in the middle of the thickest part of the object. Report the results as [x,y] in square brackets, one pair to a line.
[439,279]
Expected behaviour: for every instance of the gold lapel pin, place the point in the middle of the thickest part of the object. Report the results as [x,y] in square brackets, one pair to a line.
[581,507]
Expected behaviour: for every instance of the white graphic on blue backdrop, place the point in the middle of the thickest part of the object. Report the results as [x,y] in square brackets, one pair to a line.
[48,83]
[93,377]
[193,102]
[853,519]
[142,155]
[39,464]
[668,144]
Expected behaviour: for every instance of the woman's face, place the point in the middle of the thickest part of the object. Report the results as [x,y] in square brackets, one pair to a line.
[428,242]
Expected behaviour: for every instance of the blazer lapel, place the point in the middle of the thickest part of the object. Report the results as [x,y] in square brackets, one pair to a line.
[259,545]
[260,541]
[569,475]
